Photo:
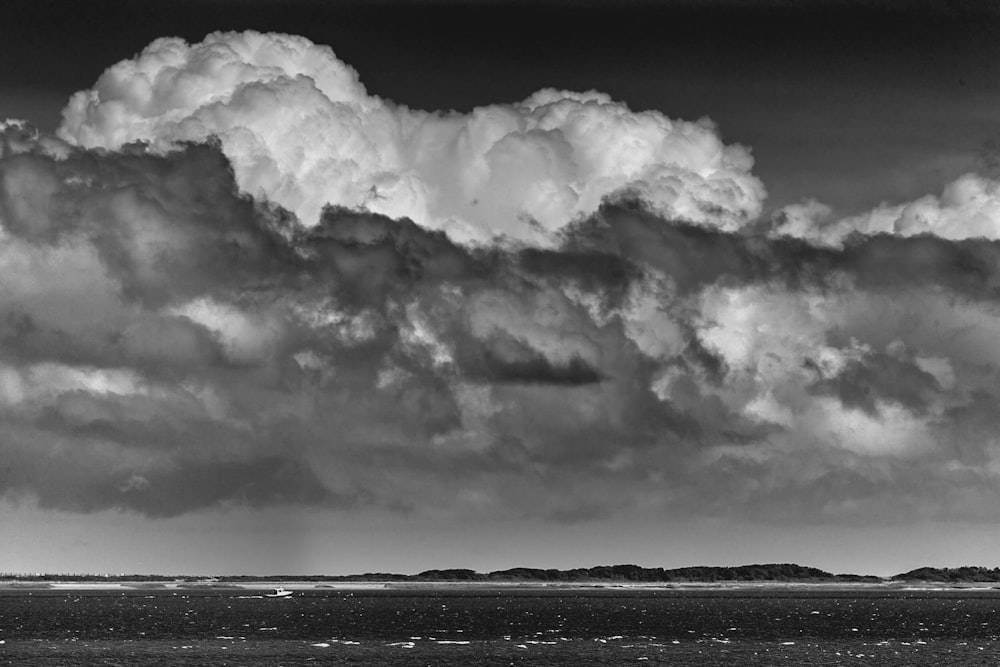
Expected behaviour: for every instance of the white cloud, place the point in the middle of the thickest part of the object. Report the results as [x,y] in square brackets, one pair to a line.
[247,338]
[301,130]
[968,208]
[893,431]
[648,320]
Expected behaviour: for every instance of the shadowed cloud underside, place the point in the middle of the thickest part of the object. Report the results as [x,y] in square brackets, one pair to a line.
[234,278]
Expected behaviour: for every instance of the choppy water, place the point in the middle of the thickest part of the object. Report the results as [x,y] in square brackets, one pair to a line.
[516,626]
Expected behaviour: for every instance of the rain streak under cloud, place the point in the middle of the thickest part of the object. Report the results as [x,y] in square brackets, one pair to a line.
[233,277]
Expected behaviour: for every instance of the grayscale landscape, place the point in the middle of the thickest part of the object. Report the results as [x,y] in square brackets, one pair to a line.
[564,332]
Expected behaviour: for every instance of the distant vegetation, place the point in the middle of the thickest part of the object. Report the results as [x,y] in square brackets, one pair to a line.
[623,573]
[951,574]
[634,573]
[784,572]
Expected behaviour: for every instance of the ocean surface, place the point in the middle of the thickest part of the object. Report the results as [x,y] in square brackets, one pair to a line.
[499,627]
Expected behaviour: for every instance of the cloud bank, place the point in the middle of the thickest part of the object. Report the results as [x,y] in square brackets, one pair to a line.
[300,130]
[968,208]
[205,303]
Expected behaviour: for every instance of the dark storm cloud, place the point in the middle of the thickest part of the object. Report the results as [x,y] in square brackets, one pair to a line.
[468,314]
[369,258]
[695,256]
[882,377]
[222,353]
[165,225]
[505,359]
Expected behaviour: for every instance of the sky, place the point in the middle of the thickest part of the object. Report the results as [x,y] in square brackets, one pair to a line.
[331,287]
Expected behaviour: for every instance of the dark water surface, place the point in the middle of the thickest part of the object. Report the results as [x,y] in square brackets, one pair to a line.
[500,627]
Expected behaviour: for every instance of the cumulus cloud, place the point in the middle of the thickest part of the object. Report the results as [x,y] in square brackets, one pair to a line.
[217,315]
[301,131]
[968,208]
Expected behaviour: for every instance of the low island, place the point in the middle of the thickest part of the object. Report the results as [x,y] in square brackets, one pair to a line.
[604,576]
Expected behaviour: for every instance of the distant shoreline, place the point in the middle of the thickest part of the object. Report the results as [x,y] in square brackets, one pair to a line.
[291,584]
[749,577]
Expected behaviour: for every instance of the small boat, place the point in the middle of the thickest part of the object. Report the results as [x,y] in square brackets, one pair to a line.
[279,592]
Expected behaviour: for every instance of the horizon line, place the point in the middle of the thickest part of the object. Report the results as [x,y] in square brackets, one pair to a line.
[4,575]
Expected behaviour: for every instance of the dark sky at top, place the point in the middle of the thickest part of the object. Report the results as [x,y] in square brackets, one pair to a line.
[918,85]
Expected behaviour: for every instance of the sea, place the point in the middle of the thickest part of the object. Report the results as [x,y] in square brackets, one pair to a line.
[501,626]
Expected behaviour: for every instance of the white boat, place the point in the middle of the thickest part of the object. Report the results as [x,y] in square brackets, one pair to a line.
[279,592]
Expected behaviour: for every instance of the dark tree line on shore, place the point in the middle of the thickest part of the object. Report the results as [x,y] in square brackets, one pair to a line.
[783,572]
[952,574]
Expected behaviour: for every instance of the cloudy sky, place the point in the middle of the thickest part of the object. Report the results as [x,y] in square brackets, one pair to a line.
[324,287]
